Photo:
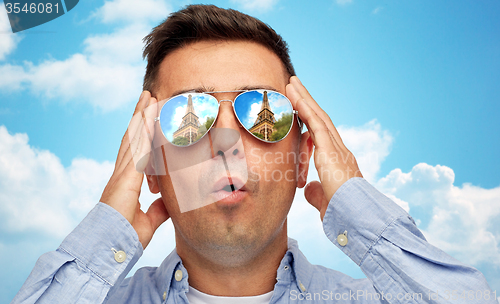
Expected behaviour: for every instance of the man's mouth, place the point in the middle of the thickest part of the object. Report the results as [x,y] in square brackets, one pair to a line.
[228,184]
[229,191]
[229,188]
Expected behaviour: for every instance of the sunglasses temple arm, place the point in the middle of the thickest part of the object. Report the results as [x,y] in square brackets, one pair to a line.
[299,121]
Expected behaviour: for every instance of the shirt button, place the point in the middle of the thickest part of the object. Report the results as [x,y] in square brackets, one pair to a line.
[302,287]
[342,239]
[178,275]
[120,256]
[164,295]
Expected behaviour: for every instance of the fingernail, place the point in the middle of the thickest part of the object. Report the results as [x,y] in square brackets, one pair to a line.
[298,79]
[142,95]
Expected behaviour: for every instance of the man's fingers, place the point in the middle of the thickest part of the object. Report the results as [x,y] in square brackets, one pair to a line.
[125,143]
[317,128]
[301,89]
[328,170]
[142,128]
[142,150]
[295,97]
[145,96]
[123,191]
[157,213]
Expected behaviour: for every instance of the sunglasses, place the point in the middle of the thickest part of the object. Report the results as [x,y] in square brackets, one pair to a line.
[267,115]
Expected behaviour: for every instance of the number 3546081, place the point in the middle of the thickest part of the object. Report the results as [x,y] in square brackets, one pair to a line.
[32,8]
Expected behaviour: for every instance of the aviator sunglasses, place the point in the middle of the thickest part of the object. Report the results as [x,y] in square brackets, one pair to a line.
[267,115]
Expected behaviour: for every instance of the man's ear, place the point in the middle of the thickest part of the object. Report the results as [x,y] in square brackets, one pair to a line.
[305,151]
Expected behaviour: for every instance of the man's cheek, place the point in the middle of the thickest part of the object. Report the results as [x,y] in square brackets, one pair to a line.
[254,157]
[254,174]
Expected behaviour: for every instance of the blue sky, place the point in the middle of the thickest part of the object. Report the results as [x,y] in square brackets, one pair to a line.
[411,85]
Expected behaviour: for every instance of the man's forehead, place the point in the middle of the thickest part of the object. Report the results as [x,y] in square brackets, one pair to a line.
[221,67]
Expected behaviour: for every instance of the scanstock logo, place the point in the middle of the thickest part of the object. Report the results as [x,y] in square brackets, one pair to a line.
[27,14]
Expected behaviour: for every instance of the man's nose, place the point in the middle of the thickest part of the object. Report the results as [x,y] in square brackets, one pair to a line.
[226,117]
[225,133]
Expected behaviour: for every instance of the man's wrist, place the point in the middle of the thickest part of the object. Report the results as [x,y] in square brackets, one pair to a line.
[356,217]
[105,243]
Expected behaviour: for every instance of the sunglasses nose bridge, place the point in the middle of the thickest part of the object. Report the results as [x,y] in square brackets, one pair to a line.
[226,131]
[226,117]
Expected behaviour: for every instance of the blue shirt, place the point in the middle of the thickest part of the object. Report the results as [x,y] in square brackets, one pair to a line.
[401,267]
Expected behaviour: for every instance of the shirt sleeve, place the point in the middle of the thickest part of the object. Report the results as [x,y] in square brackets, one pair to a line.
[94,257]
[384,241]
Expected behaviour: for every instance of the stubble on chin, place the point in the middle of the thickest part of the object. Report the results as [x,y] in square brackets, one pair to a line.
[223,239]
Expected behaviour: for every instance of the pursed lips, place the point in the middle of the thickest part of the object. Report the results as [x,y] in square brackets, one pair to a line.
[229,184]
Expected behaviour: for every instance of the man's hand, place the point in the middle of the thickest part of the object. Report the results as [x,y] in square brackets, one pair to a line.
[334,162]
[124,187]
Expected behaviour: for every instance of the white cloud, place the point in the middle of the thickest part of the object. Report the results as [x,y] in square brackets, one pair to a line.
[38,194]
[11,77]
[252,114]
[369,144]
[107,73]
[8,40]
[462,220]
[343,2]
[256,5]
[40,197]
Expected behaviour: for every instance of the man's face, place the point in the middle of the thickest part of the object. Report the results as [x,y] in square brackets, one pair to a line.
[258,216]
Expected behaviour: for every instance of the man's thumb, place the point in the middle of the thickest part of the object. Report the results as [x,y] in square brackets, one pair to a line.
[157,213]
[316,196]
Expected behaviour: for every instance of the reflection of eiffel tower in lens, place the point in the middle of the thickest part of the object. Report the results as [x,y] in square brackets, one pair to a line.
[190,123]
[264,124]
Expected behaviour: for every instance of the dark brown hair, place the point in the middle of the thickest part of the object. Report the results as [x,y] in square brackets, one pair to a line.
[207,22]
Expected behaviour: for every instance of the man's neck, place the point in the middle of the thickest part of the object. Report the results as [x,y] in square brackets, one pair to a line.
[254,277]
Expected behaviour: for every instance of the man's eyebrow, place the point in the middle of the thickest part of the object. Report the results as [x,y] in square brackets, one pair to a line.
[203,89]
[193,90]
[265,87]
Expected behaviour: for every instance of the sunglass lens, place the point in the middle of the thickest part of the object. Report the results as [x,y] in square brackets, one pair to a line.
[268,115]
[184,119]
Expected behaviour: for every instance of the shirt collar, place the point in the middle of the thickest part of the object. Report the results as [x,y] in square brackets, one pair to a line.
[294,260]
[300,266]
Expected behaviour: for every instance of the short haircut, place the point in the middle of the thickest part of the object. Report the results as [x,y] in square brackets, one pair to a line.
[197,23]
